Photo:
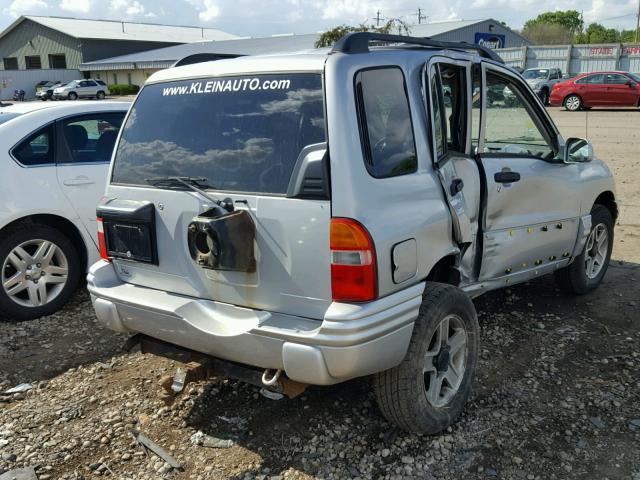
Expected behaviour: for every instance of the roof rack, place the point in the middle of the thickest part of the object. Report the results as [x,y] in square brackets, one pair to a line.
[204,57]
[358,42]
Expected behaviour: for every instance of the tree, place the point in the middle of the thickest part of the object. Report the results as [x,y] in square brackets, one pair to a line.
[569,19]
[597,33]
[548,34]
[394,25]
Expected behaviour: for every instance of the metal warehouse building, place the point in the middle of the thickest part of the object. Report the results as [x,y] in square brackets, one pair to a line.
[136,68]
[35,48]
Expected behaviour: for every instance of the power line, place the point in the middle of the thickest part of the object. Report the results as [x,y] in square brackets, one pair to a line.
[420,16]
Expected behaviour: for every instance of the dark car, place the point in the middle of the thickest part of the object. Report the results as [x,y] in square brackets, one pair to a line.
[44,90]
[598,89]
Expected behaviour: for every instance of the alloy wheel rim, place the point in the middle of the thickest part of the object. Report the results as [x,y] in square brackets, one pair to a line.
[34,273]
[445,361]
[573,103]
[596,251]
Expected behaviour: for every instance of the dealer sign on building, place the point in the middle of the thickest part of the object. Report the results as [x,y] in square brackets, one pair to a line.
[490,40]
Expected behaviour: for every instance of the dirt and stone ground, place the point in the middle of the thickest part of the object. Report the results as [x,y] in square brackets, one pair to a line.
[557,394]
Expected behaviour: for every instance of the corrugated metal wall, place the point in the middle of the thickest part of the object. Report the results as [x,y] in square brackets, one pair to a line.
[467,34]
[575,59]
[30,38]
[26,80]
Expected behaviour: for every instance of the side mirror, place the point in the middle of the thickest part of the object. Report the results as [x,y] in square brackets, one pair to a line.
[577,150]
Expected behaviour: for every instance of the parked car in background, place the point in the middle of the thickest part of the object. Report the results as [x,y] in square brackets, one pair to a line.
[598,89]
[53,165]
[45,91]
[542,80]
[75,89]
[234,229]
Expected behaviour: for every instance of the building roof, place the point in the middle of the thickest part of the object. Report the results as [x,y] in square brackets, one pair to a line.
[166,57]
[122,30]
[438,28]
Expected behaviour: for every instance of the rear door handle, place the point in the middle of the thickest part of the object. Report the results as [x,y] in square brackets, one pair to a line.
[507,177]
[82,180]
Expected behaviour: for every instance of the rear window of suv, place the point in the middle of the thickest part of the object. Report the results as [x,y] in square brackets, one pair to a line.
[241,134]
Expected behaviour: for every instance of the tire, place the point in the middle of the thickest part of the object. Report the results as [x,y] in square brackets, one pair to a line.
[73,96]
[574,278]
[573,103]
[100,95]
[544,96]
[403,392]
[27,302]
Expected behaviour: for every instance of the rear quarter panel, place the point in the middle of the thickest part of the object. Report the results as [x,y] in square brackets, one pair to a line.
[392,209]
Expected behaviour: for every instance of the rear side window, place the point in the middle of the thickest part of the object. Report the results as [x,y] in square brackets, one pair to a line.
[241,134]
[384,119]
[90,138]
[36,149]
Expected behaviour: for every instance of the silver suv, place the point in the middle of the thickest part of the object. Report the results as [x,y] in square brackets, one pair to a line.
[81,89]
[315,217]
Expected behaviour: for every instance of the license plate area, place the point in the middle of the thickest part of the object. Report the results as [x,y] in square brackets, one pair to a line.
[129,230]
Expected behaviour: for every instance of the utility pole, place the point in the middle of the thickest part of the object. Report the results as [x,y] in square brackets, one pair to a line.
[638,23]
[378,18]
[420,16]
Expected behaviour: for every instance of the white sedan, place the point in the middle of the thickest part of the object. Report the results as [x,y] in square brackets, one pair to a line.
[54,160]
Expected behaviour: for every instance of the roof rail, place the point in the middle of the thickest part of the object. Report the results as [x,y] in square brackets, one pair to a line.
[204,57]
[358,42]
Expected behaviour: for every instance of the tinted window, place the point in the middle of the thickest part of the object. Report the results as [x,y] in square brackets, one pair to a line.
[510,126]
[57,61]
[385,123]
[100,82]
[615,78]
[32,62]
[91,138]
[10,63]
[597,78]
[37,149]
[240,133]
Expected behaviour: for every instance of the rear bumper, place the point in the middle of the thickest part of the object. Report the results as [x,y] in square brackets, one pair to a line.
[351,341]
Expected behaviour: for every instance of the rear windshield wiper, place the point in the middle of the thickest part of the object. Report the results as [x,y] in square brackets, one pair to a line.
[195,184]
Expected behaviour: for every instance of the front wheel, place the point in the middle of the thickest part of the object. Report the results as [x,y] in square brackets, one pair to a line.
[573,103]
[40,270]
[588,269]
[73,96]
[427,392]
[544,97]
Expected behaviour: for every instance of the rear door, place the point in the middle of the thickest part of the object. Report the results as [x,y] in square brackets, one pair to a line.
[85,144]
[593,90]
[449,102]
[258,141]
[530,217]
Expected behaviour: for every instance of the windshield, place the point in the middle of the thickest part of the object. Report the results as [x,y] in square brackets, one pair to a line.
[241,134]
[6,116]
[535,74]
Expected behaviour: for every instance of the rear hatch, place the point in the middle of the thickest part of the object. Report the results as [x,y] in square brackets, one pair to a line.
[257,142]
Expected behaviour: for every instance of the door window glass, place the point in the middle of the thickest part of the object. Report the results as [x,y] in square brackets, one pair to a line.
[476,104]
[385,123]
[91,138]
[438,115]
[511,127]
[37,149]
[615,79]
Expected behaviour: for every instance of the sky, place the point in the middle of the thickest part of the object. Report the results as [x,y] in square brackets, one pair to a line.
[267,17]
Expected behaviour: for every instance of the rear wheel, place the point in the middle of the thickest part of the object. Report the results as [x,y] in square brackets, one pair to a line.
[573,103]
[100,96]
[428,390]
[588,269]
[40,270]
[73,96]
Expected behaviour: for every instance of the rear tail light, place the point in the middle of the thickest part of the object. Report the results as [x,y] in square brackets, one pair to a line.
[102,244]
[354,275]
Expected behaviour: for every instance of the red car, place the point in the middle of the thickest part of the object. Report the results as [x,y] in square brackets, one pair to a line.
[597,89]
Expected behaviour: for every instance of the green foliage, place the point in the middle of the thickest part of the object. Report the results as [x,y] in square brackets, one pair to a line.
[123,89]
[569,19]
[328,38]
[596,33]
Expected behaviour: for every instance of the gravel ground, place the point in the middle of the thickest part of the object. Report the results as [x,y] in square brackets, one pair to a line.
[557,394]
